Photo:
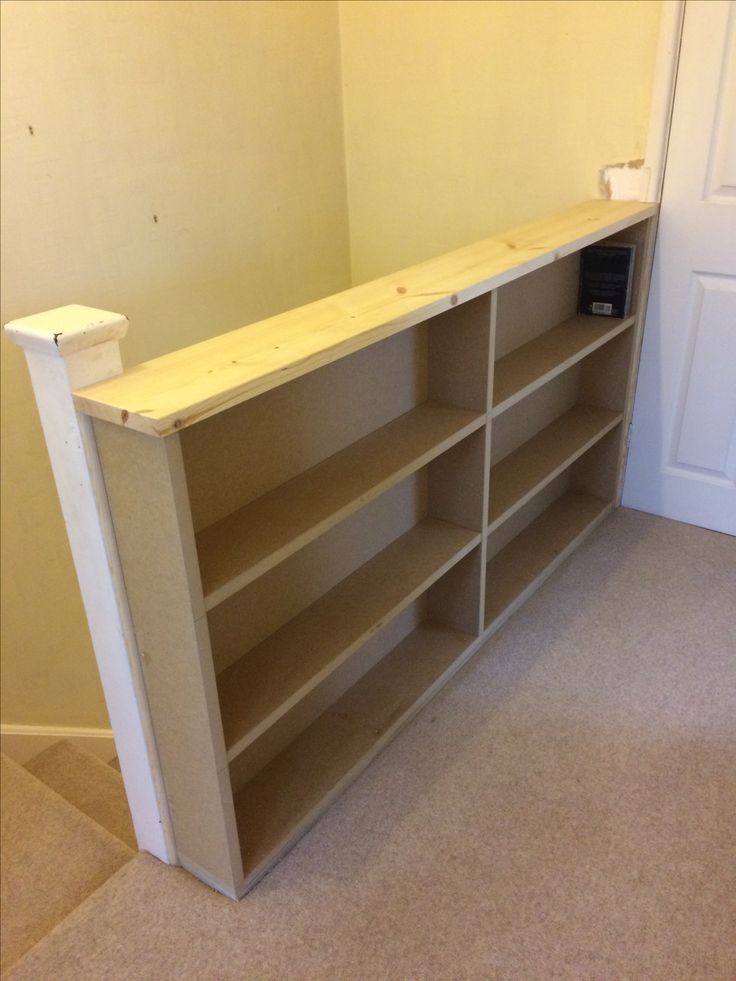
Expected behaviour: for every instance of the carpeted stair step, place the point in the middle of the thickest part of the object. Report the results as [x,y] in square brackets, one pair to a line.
[89,784]
[53,858]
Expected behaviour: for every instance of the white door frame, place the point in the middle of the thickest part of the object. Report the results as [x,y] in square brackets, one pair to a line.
[663,96]
[637,181]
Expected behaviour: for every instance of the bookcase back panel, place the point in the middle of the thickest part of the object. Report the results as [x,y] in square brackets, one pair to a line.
[525,419]
[459,354]
[529,306]
[605,373]
[290,429]
[457,485]
[596,472]
[455,600]
[280,735]
[273,599]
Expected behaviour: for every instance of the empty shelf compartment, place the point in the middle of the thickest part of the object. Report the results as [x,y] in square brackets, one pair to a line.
[525,471]
[536,362]
[281,802]
[237,549]
[523,564]
[268,681]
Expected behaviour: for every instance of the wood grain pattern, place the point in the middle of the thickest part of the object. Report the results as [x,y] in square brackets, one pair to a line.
[244,545]
[269,680]
[170,393]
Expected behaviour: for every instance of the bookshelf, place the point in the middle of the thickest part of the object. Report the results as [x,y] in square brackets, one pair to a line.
[322,516]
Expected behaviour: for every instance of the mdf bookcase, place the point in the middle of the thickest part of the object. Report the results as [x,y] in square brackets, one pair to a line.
[322,516]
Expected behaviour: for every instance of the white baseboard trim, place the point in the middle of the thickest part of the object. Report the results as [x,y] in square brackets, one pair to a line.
[22,743]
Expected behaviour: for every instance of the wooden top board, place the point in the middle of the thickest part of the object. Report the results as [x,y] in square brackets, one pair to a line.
[177,390]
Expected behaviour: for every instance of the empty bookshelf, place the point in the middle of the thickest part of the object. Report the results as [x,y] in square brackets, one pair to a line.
[322,516]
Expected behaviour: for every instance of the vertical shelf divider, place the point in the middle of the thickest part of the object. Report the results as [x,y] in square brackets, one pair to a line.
[487,456]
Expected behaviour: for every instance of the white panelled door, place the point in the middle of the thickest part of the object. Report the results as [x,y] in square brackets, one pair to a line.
[682,458]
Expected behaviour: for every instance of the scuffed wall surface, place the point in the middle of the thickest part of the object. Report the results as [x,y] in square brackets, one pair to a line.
[181,163]
[463,117]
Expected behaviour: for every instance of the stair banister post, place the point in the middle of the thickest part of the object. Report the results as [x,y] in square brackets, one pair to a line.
[66,349]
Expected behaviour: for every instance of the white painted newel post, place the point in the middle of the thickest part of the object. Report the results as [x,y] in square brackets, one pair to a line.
[66,349]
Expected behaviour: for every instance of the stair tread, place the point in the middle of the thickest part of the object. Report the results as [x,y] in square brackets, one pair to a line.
[90,785]
[53,857]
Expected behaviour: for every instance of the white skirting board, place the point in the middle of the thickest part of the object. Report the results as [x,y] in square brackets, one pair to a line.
[22,743]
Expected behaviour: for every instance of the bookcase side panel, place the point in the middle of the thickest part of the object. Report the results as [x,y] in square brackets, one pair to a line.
[146,489]
[609,379]
[645,235]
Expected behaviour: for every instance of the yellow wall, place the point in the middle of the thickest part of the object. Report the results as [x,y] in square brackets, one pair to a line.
[224,121]
[463,117]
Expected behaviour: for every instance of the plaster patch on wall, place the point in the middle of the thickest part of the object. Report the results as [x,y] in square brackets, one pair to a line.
[624,181]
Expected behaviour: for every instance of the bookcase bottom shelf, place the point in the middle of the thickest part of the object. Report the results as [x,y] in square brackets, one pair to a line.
[522,566]
[282,801]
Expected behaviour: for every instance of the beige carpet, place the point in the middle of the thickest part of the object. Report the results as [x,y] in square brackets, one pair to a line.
[88,783]
[566,808]
[53,857]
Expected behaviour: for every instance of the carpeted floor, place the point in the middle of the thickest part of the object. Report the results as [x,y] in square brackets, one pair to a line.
[53,857]
[85,781]
[566,808]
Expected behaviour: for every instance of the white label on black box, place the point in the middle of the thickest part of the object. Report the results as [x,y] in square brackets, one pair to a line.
[602,307]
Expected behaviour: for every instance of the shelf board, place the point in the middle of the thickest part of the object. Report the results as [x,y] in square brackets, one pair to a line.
[166,395]
[272,678]
[252,540]
[282,801]
[521,474]
[523,565]
[530,366]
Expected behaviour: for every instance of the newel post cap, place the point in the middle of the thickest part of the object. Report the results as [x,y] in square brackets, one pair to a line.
[67,330]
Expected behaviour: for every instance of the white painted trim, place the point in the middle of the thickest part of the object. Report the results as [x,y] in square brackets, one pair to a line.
[75,328]
[22,743]
[663,94]
[67,349]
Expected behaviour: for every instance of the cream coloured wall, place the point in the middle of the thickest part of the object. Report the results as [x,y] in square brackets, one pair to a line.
[224,121]
[180,162]
[463,117]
